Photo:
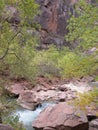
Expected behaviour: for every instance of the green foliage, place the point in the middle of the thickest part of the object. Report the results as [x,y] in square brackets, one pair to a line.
[18,60]
[21,60]
[65,63]
[14,122]
[17,46]
[96,78]
[75,65]
[89,99]
[6,104]
[29,7]
[84,28]
[46,61]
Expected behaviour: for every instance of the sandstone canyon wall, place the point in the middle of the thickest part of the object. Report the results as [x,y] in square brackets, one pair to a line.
[53,20]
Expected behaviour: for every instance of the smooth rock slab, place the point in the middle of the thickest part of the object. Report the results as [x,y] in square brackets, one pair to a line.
[61,117]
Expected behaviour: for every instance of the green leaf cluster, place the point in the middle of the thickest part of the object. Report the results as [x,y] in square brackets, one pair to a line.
[83,29]
[77,65]
[14,122]
[17,46]
[65,63]
[88,99]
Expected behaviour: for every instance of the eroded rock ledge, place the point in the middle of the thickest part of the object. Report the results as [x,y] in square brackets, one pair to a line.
[30,98]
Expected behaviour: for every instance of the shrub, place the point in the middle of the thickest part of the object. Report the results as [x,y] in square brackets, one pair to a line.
[65,63]
[17,46]
[14,122]
[75,65]
[84,28]
[87,99]
[47,61]
[96,78]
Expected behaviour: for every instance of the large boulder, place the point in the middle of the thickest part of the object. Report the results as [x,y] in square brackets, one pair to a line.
[27,100]
[61,117]
[5,127]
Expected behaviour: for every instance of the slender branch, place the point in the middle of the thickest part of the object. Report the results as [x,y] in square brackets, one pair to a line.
[7,49]
[15,55]
[6,52]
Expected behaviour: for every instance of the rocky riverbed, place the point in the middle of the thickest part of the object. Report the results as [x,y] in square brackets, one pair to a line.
[63,116]
[31,97]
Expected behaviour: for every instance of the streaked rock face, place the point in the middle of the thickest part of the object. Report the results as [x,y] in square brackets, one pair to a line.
[53,20]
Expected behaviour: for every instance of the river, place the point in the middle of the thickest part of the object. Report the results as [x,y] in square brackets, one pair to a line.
[28,116]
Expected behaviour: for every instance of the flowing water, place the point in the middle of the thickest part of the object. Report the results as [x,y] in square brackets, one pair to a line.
[27,116]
